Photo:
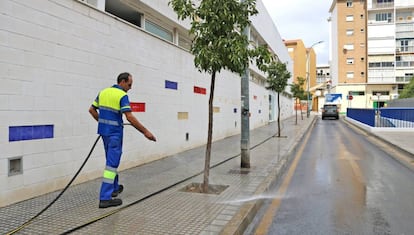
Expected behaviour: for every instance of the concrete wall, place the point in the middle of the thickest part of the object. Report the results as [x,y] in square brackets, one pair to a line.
[57,55]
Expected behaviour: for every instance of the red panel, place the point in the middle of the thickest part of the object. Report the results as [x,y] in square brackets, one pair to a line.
[200,90]
[137,107]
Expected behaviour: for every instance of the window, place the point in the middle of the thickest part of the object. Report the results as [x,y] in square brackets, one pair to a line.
[349,75]
[124,12]
[385,16]
[350,61]
[380,92]
[158,30]
[349,32]
[374,64]
[357,93]
[381,65]
[349,18]
[348,3]
[184,42]
[404,45]
[349,46]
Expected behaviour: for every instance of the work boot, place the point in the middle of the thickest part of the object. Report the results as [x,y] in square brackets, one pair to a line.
[109,203]
[119,191]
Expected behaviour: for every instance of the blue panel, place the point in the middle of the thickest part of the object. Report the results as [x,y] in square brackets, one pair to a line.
[26,132]
[18,133]
[171,85]
[38,132]
[48,131]
[14,133]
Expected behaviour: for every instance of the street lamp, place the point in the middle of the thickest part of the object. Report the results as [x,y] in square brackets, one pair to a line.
[307,74]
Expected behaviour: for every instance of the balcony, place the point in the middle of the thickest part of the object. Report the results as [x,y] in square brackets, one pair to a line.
[381,76]
[404,30]
[404,64]
[404,49]
[382,5]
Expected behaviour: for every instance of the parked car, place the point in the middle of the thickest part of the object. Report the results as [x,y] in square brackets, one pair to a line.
[330,110]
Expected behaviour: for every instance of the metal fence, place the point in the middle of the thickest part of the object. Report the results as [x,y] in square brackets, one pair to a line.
[384,117]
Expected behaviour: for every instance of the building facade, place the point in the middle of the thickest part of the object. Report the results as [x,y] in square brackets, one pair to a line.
[57,55]
[371,50]
[303,65]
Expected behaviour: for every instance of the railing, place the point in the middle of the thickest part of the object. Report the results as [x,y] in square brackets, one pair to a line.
[396,117]
[382,5]
[384,117]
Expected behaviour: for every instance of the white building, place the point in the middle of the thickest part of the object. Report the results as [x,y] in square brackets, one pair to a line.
[57,55]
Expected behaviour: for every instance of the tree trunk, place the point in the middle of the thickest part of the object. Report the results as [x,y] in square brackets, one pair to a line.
[278,114]
[210,134]
[296,111]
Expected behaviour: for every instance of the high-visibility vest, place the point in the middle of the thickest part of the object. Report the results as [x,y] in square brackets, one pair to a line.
[111,102]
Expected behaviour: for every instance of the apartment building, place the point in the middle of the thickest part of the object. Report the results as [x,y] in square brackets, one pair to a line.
[348,49]
[56,56]
[371,50]
[299,55]
[324,84]
[390,48]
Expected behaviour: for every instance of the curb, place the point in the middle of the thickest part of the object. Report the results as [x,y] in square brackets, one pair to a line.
[409,163]
[241,220]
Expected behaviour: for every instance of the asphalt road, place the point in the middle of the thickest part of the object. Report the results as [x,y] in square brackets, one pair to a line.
[339,183]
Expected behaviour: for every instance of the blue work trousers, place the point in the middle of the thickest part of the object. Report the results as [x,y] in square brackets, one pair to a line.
[113,152]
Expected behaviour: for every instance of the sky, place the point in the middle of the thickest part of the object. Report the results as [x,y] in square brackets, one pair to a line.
[303,19]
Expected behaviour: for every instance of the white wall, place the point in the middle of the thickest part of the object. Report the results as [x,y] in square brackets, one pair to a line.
[57,55]
[334,47]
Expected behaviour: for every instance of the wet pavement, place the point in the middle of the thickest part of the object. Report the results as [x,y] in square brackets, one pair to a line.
[342,184]
[154,202]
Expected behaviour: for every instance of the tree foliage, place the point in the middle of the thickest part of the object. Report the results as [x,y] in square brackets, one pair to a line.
[297,89]
[277,81]
[408,91]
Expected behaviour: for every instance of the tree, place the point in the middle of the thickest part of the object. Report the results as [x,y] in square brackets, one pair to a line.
[218,44]
[408,91]
[278,77]
[299,94]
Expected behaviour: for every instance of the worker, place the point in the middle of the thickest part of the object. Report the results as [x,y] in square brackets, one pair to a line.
[107,109]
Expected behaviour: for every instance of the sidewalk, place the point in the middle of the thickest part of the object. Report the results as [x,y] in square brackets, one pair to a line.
[152,200]
[397,142]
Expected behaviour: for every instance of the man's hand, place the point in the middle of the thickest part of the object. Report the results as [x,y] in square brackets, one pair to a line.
[150,136]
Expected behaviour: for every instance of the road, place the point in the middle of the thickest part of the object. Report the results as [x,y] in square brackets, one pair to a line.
[339,183]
